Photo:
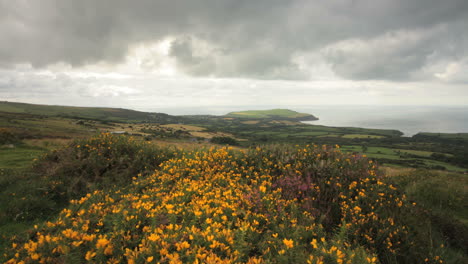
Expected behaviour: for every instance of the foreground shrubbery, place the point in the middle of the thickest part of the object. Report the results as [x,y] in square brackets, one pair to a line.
[57,177]
[275,205]
[443,197]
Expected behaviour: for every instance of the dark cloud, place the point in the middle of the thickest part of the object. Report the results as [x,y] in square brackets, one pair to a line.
[242,38]
[183,51]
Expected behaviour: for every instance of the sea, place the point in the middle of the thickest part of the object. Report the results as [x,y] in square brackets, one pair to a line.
[408,119]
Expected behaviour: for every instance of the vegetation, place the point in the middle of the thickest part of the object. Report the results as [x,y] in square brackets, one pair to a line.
[103,197]
[248,128]
[272,114]
[225,141]
[443,197]
[454,136]
[88,113]
[217,205]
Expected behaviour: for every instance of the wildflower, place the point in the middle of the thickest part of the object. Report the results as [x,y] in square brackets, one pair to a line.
[314,243]
[90,255]
[289,243]
[102,243]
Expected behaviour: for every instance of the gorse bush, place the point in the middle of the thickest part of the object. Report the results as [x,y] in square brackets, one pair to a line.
[266,205]
[225,141]
[8,136]
[104,161]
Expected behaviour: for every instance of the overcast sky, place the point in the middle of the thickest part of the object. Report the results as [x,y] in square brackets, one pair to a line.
[207,53]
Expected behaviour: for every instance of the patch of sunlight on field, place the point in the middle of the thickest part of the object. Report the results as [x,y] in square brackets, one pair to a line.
[361,136]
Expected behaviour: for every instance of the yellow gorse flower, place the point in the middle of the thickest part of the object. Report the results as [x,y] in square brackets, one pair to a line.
[222,206]
[289,243]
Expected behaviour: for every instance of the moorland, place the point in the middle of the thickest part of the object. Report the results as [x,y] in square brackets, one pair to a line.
[116,185]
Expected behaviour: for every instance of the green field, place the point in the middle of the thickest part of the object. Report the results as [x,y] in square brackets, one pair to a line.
[394,156]
[361,136]
[462,136]
[248,127]
[273,113]
[19,156]
[94,113]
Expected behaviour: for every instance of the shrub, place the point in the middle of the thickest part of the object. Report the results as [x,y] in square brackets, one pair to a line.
[104,161]
[224,141]
[8,136]
[278,205]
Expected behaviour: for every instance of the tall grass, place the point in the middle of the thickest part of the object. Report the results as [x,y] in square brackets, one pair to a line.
[443,201]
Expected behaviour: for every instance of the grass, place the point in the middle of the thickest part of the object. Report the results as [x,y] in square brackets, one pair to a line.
[111,114]
[462,136]
[416,152]
[330,135]
[361,136]
[20,156]
[396,155]
[309,133]
[184,127]
[444,196]
[448,166]
[273,113]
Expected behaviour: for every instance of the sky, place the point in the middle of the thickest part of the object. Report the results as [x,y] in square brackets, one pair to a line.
[154,54]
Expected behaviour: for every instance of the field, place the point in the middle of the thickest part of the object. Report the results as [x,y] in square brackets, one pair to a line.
[72,191]
[19,157]
[460,136]
[273,114]
[425,150]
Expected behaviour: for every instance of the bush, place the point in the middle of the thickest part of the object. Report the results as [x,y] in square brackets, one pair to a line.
[442,198]
[104,161]
[225,141]
[7,136]
[100,162]
[277,204]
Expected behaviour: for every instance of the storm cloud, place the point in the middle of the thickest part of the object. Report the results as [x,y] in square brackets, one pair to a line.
[153,53]
[359,39]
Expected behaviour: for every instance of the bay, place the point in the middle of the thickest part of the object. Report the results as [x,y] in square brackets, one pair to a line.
[408,119]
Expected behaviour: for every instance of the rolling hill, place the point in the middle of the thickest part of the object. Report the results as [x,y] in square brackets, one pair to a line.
[94,113]
[273,114]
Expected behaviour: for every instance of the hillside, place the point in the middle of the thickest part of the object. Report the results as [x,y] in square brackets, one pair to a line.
[450,136]
[249,128]
[168,193]
[273,114]
[96,113]
[133,202]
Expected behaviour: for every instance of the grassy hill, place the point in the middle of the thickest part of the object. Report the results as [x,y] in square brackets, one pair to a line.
[161,195]
[29,121]
[133,202]
[99,113]
[450,136]
[273,114]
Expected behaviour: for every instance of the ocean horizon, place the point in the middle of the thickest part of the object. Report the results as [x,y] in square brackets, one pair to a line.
[410,120]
